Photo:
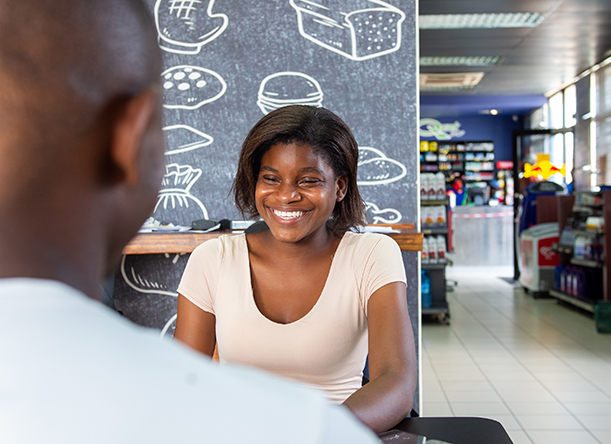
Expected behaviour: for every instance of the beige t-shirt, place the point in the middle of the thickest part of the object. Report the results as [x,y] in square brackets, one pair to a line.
[327,347]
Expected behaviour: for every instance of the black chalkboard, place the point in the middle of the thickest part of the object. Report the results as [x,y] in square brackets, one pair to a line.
[227,63]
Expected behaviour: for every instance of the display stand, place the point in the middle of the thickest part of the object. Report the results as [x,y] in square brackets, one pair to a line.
[437,271]
[594,266]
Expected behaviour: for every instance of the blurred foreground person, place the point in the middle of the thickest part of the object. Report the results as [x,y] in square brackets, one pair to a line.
[81,161]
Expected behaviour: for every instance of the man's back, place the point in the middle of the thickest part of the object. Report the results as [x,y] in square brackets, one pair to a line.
[76,372]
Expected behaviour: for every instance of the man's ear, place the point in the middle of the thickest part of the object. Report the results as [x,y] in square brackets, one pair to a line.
[341,188]
[129,129]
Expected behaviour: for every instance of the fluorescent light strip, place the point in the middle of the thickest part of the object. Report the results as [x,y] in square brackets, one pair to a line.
[474,21]
[459,60]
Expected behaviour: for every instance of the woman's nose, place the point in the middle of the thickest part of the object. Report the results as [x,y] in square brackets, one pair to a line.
[288,192]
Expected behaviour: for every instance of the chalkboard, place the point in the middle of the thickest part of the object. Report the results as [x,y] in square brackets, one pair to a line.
[226,64]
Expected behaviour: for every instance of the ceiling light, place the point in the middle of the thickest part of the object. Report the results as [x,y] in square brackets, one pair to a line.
[460,60]
[462,21]
[494,112]
[454,80]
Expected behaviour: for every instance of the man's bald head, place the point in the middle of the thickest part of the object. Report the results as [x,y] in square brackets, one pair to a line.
[81,141]
[63,64]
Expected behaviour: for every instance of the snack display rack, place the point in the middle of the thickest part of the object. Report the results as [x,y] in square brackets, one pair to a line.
[435,267]
[474,159]
[583,276]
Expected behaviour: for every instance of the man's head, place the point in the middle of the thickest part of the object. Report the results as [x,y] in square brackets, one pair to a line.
[80,123]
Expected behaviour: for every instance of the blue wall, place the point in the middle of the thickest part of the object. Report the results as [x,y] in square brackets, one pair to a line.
[479,128]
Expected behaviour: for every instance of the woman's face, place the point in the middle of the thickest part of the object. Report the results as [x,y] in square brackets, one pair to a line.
[296,192]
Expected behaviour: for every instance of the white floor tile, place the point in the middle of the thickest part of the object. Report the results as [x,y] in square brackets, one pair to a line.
[604,436]
[476,396]
[536,408]
[519,437]
[484,409]
[596,422]
[549,422]
[562,437]
[436,409]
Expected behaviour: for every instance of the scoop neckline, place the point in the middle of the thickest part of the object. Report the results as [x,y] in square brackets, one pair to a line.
[251,294]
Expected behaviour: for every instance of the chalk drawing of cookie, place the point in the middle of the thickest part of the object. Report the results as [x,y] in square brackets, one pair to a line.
[189,87]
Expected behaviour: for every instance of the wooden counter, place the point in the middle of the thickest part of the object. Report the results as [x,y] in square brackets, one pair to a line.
[185,242]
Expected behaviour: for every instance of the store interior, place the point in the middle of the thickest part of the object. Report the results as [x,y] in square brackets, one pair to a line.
[515,100]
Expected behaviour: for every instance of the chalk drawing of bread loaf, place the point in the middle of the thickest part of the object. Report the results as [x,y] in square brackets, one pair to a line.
[357,29]
[374,168]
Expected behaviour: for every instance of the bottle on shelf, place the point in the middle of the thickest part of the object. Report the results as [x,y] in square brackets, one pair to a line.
[425,285]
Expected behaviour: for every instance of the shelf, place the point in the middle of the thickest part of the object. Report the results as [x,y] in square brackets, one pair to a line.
[185,242]
[562,248]
[440,266]
[436,309]
[586,263]
[434,202]
[584,305]
[435,230]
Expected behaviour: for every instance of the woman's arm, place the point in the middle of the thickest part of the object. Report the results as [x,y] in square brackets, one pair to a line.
[195,327]
[388,397]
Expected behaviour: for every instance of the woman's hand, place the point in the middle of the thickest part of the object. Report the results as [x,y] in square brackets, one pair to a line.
[393,374]
[195,327]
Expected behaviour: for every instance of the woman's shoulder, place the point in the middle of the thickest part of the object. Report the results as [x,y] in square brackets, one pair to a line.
[221,245]
[368,240]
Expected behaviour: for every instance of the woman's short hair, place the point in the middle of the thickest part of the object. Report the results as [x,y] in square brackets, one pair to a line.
[328,136]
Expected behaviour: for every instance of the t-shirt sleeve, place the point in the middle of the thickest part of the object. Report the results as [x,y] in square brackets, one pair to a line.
[383,265]
[199,281]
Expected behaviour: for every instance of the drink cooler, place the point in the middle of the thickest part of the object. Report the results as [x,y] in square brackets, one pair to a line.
[537,260]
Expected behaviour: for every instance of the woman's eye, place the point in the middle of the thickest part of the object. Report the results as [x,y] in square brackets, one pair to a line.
[269,179]
[309,181]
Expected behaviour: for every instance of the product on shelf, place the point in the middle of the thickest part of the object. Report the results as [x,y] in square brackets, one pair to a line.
[441,249]
[424,255]
[425,286]
[432,249]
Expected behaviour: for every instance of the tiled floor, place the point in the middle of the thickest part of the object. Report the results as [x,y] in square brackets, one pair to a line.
[539,368]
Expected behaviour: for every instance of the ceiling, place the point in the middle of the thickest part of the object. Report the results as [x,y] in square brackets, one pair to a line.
[573,36]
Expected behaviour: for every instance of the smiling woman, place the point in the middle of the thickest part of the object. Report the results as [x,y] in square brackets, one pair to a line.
[306,299]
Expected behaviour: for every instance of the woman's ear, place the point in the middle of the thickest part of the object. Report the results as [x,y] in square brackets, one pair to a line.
[130,128]
[341,188]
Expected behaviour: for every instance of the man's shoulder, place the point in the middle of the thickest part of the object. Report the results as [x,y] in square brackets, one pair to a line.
[111,378]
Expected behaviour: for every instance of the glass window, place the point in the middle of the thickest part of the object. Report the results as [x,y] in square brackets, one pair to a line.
[556,111]
[570,106]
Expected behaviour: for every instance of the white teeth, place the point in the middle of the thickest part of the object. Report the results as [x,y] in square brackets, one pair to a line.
[288,214]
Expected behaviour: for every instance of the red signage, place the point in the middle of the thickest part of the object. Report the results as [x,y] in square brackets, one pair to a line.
[547,257]
[504,164]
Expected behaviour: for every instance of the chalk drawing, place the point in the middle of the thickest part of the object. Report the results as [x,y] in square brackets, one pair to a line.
[153,280]
[169,327]
[190,139]
[374,168]
[356,29]
[382,216]
[288,88]
[189,87]
[184,26]
[175,202]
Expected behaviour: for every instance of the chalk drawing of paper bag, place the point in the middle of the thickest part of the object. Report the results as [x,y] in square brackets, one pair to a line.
[184,26]
[175,202]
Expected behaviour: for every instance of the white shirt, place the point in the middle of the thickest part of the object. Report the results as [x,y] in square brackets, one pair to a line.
[74,371]
[327,347]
